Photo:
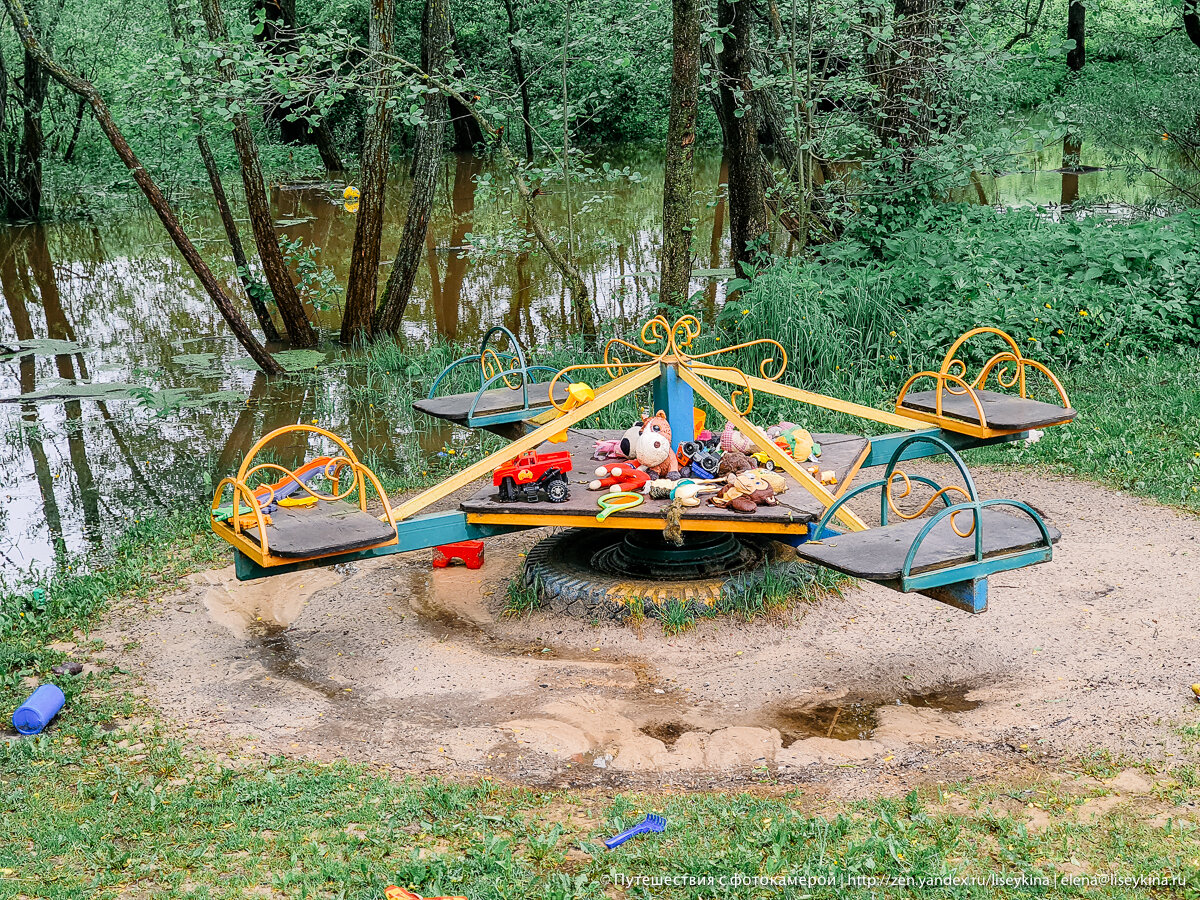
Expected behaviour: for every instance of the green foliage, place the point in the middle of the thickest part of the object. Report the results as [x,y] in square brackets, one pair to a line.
[521,598]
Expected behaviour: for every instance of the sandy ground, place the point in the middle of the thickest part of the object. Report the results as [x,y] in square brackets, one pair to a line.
[397,664]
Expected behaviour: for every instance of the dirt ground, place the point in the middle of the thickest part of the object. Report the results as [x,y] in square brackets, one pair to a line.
[397,664]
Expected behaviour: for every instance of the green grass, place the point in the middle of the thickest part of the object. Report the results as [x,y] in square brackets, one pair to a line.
[133,812]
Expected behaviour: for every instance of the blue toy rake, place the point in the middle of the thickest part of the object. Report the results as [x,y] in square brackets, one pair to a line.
[652,822]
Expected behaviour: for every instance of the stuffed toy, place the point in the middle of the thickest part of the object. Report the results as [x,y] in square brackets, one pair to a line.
[745,493]
[798,443]
[653,449]
[732,439]
[618,448]
[622,477]
[733,463]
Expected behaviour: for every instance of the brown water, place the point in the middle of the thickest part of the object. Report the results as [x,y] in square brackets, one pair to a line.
[123,310]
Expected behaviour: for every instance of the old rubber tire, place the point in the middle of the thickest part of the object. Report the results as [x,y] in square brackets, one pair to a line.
[557,491]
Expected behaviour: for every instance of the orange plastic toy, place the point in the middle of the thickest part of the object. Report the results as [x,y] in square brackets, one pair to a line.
[399,893]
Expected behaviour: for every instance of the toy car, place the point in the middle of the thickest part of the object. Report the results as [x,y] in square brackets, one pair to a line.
[532,475]
[705,463]
[763,461]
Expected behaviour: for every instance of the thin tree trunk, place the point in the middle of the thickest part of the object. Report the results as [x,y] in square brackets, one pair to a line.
[679,171]
[275,269]
[254,290]
[368,227]
[1076,31]
[25,200]
[69,153]
[149,188]
[519,69]
[279,37]
[435,47]
[747,205]
[467,131]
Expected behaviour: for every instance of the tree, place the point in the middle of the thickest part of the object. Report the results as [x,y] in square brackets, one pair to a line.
[22,171]
[1191,20]
[262,223]
[679,170]
[363,281]
[514,48]
[278,37]
[435,55]
[747,205]
[83,88]
[1076,31]
[253,289]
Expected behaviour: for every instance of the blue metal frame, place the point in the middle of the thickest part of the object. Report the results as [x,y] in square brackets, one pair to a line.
[675,398]
[964,578]
[523,370]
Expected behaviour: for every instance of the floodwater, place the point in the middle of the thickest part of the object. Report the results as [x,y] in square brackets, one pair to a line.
[112,304]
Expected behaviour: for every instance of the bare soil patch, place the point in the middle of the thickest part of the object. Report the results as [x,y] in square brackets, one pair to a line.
[397,664]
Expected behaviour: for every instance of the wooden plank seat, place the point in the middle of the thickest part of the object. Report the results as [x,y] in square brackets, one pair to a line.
[456,408]
[326,528]
[1003,412]
[878,554]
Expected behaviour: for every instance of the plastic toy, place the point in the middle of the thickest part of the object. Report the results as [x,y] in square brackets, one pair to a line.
[623,477]
[268,495]
[578,394]
[652,822]
[36,712]
[392,892]
[531,474]
[469,553]
[617,502]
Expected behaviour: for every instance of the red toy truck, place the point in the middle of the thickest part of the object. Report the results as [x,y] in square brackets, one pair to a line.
[531,474]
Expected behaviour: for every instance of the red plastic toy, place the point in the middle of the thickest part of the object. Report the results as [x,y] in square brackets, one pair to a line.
[469,553]
[527,476]
[399,893]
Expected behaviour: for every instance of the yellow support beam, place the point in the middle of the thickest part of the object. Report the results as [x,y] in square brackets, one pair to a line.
[768,446]
[538,520]
[832,403]
[552,414]
[520,445]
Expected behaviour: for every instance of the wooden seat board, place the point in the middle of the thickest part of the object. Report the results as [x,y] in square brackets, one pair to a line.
[1003,411]
[878,554]
[457,407]
[840,452]
[329,527]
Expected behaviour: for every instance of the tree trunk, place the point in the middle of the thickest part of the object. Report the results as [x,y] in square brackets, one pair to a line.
[1191,20]
[262,223]
[1076,31]
[747,206]
[25,199]
[149,188]
[522,83]
[72,142]
[435,46]
[279,37]
[368,227]
[467,131]
[254,290]
[679,171]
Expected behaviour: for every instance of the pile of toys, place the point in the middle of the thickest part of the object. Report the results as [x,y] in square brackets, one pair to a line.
[725,468]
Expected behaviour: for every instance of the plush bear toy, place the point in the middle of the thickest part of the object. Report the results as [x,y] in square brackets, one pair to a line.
[622,477]
[654,450]
[745,493]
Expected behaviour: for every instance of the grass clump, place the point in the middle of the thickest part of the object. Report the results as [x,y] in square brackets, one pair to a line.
[775,587]
[521,598]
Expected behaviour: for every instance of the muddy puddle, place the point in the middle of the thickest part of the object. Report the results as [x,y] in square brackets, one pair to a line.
[856,718]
